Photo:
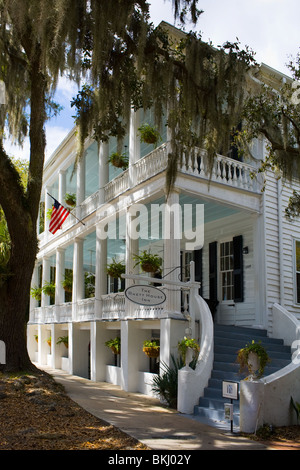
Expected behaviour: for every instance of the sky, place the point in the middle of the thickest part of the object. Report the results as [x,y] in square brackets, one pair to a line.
[269,27]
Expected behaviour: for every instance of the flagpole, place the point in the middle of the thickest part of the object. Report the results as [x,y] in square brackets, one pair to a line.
[67,209]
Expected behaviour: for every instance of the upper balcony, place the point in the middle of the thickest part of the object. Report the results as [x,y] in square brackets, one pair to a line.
[225,171]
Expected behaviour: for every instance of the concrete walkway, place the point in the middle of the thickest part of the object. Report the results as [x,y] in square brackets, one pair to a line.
[144,418]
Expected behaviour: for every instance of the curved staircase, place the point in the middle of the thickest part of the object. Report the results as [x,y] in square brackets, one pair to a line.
[227,341]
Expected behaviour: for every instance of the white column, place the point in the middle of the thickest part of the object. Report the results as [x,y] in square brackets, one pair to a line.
[172,237]
[132,248]
[134,144]
[59,276]
[80,190]
[103,170]
[78,277]
[45,278]
[61,186]
[34,283]
[130,344]
[101,275]
[48,205]
[259,269]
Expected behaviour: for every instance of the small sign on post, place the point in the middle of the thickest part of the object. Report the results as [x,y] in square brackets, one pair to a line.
[230,390]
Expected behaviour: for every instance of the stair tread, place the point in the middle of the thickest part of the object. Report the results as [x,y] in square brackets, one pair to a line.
[227,341]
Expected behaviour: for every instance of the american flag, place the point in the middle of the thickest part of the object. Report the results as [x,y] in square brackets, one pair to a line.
[58,216]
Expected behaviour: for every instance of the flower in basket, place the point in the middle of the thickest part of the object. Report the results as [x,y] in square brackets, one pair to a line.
[149,134]
[151,348]
[70,199]
[150,263]
[119,160]
[116,268]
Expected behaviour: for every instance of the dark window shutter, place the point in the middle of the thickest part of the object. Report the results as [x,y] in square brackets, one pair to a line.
[238,274]
[213,271]
[198,267]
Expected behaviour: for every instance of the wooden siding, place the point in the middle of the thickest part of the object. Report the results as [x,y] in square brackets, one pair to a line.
[243,313]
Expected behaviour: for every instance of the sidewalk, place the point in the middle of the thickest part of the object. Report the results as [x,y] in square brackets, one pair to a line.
[143,418]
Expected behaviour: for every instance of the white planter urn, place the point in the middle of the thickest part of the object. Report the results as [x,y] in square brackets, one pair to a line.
[253,365]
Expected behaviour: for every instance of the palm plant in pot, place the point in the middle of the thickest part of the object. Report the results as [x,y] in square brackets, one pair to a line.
[253,358]
[63,340]
[114,345]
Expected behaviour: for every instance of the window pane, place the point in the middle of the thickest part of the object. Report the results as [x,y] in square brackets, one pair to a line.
[298,256]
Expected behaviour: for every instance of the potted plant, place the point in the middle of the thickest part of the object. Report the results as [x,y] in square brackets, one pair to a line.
[115,269]
[36,338]
[49,341]
[49,289]
[119,160]
[151,348]
[67,283]
[188,343]
[149,134]
[114,345]
[150,263]
[70,199]
[253,358]
[36,293]
[49,213]
[64,340]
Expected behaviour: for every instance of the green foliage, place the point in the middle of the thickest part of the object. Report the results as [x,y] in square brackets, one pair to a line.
[186,343]
[114,345]
[257,348]
[67,283]
[119,160]
[70,199]
[148,262]
[36,293]
[166,383]
[63,340]
[151,343]
[116,268]
[149,134]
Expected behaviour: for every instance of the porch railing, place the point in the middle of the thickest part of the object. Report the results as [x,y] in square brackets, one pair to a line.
[225,170]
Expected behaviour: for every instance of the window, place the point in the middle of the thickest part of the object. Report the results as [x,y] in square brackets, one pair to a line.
[297,270]
[226,268]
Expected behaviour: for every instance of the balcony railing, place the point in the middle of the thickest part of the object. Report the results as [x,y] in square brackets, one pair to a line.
[228,171]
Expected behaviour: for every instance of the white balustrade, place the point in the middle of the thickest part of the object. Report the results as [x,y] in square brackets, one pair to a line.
[117,186]
[85,309]
[113,306]
[223,170]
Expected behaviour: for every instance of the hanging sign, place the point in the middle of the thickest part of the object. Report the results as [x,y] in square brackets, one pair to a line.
[145,295]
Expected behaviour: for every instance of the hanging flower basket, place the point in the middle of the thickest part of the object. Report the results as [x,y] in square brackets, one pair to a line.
[149,135]
[119,160]
[115,269]
[151,348]
[70,199]
[148,262]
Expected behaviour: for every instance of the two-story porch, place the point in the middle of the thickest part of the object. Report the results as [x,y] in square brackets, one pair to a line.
[220,229]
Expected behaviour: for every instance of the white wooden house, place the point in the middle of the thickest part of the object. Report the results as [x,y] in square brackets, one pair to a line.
[246,255]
